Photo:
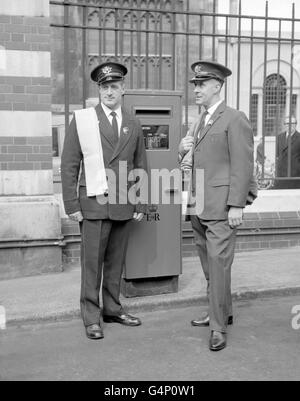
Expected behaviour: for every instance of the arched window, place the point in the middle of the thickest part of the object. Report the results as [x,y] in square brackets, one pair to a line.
[275,92]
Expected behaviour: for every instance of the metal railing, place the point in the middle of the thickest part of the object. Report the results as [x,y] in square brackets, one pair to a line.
[159,39]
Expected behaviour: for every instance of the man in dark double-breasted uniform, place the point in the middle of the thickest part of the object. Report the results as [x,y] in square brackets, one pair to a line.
[290,139]
[102,149]
[221,144]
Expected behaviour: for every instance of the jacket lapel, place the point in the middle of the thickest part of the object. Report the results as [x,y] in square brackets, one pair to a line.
[285,141]
[217,114]
[125,133]
[294,139]
[105,127]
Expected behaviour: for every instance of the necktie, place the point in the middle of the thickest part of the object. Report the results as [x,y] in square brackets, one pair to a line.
[202,124]
[115,127]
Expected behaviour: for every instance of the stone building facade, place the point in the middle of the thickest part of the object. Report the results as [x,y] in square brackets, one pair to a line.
[30,231]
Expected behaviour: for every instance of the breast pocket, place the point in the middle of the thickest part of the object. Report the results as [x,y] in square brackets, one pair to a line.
[220,182]
[218,137]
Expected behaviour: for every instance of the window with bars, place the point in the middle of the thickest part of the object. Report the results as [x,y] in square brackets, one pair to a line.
[294,105]
[275,93]
[254,113]
[55,141]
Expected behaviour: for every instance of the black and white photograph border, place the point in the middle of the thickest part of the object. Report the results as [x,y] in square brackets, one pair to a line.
[149,193]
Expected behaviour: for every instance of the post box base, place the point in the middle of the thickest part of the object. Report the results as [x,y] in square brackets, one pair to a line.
[149,286]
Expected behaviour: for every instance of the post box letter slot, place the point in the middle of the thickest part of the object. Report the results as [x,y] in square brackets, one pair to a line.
[172,190]
[153,112]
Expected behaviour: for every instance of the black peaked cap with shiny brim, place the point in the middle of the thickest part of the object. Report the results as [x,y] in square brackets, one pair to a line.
[109,71]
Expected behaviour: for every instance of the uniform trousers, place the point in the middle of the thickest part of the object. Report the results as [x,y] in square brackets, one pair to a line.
[103,251]
[215,241]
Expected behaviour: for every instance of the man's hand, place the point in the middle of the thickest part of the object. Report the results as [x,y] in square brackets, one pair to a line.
[138,216]
[235,216]
[76,217]
[186,144]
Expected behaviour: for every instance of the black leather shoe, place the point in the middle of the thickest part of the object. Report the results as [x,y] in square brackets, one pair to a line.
[217,341]
[201,322]
[94,332]
[125,319]
[204,322]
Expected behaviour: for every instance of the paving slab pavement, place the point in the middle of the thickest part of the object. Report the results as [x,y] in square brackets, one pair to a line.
[262,345]
[56,296]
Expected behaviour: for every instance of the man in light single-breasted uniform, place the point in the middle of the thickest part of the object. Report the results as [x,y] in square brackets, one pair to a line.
[104,224]
[221,144]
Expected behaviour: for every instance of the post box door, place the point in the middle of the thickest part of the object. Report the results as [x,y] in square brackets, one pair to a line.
[154,248]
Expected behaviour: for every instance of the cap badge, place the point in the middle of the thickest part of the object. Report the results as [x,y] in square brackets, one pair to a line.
[106,70]
[198,69]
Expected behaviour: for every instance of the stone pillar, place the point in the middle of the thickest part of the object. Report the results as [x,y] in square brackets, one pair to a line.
[30,231]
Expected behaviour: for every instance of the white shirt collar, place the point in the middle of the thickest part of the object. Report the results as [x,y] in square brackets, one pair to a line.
[107,111]
[288,133]
[213,108]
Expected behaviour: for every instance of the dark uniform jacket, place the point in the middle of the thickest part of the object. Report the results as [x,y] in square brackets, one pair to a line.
[130,149]
[282,161]
[282,155]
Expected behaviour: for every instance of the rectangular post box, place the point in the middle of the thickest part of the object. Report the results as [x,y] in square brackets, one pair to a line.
[154,260]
